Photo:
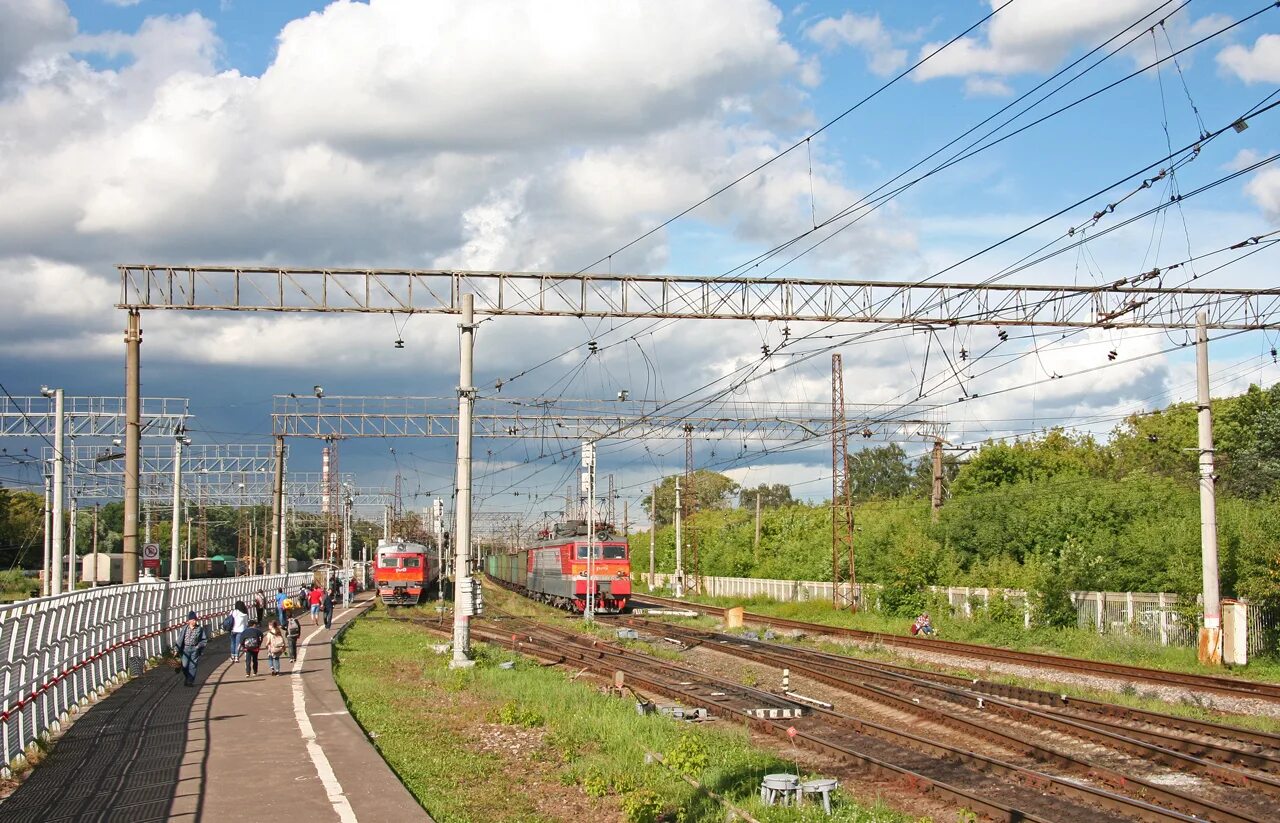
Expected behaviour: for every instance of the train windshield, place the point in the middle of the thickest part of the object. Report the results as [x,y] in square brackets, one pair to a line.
[616,551]
[389,562]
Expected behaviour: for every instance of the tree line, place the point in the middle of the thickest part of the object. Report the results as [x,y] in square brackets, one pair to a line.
[1050,513]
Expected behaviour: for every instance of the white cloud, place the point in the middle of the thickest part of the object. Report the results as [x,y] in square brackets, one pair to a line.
[489,74]
[1257,64]
[986,87]
[1264,189]
[865,32]
[407,162]
[28,26]
[1030,35]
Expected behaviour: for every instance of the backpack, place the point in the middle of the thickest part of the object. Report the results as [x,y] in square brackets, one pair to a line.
[228,623]
[295,627]
[915,628]
[252,642]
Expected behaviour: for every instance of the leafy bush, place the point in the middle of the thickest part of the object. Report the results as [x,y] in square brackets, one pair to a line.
[641,806]
[514,714]
[689,756]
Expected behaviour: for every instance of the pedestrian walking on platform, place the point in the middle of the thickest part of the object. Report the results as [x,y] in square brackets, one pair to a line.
[294,633]
[301,599]
[281,597]
[259,606]
[189,646]
[250,643]
[327,603]
[275,643]
[239,621]
[316,599]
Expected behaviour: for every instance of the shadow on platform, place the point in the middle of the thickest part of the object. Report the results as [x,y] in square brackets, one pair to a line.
[121,760]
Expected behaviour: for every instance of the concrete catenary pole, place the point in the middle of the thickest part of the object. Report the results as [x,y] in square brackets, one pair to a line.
[57,547]
[462,506]
[755,544]
[1210,646]
[284,512]
[678,585]
[132,443]
[437,512]
[936,501]
[73,513]
[175,533]
[46,583]
[589,463]
[93,579]
[653,533]
[73,506]
[277,507]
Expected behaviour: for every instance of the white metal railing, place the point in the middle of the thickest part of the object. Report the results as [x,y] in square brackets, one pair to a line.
[56,653]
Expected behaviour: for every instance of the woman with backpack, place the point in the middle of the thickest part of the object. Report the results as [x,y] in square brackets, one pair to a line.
[274,643]
[250,643]
[235,623]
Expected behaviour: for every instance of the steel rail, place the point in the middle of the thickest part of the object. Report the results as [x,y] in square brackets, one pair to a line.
[1221,685]
[605,658]
[802,661]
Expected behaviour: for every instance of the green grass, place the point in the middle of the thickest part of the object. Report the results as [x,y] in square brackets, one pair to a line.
[417,711]
[1071,642]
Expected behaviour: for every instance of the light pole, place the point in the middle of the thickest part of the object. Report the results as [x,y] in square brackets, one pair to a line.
[56,548]
[179,440]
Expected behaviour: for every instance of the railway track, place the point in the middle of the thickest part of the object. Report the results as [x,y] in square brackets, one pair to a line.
[1206,683]
[1217,742]
[996,788]
[1212,751]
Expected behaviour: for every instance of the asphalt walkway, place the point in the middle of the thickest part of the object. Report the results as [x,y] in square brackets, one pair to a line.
[236,748]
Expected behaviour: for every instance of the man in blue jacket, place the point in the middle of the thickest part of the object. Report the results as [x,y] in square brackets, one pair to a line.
[190,644]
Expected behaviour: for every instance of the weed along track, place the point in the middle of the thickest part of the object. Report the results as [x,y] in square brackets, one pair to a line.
[1233,687]
[1036,783]
[1135,752]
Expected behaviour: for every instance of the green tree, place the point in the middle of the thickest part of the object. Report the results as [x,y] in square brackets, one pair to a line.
[771,497]
[712,490]
[879,473]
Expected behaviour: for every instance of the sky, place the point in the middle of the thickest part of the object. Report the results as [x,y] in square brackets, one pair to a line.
[495,134]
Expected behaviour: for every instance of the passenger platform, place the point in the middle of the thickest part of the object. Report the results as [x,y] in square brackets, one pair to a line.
[235,748]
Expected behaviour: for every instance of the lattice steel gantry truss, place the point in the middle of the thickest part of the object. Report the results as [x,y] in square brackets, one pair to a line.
[1126,303]
[91,416]
[576,420]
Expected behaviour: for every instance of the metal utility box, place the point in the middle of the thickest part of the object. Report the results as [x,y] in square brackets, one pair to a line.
[109,568]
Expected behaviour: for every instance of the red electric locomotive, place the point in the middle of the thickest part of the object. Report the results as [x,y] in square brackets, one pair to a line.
[554,569]
[404,571]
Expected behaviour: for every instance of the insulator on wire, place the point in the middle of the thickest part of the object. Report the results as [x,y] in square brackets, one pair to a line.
[1113,354]
[964,354]
[1003,335]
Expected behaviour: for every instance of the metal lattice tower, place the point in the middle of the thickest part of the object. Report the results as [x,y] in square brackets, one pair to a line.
[843,578]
